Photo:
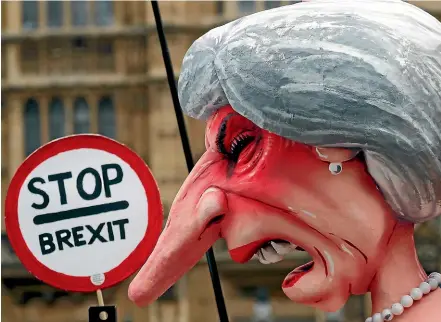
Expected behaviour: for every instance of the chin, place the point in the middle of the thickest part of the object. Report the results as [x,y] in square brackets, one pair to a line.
[328,296]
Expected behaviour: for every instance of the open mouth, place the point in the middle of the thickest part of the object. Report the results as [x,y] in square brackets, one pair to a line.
[272,251]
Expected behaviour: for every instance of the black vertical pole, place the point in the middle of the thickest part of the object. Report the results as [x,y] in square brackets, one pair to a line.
[220,302]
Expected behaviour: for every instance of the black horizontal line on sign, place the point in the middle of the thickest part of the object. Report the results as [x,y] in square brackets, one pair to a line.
[80,212]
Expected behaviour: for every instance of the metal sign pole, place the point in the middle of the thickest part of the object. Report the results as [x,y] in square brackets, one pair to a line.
[220,302]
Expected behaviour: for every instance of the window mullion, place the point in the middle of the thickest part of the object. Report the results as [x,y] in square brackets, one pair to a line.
[67,23]
[68,116]
[92,101]
[42,15]
[44,119]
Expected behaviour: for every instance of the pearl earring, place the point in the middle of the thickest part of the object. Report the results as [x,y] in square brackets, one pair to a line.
[335,168]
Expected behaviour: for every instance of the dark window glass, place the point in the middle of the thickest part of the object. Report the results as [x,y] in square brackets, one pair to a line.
[30,14]
[103,13]
[79,43]
[81,116]
[31,126]
[106,117]
[29,57]
[79,12]
[105,47]
[272,4]
[335,316]
[56,119]
[246,6]
[262,294]
[220,7]
[169,295]
[54,13]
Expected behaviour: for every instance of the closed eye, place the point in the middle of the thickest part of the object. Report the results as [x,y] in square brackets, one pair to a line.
[238,145]
[234,135]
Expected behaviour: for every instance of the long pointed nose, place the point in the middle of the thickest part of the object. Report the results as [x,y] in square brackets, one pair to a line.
[189,233]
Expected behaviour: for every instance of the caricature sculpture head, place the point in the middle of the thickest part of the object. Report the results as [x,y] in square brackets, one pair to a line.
[286,94]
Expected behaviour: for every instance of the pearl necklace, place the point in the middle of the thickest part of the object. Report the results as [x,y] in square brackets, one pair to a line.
[430,285]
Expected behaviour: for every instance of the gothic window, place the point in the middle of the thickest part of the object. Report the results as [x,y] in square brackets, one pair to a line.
[337,316]
[79,12]
[220,7]
[56,119]
[29,57]
[105,55]
[103,12]
[56,51]
[30,14]
[106,117]
[246,6]
[81,116]
[54,13]
[135,54]
[81,58]
[169,295]
[270,4]
[31,126]
[8,254]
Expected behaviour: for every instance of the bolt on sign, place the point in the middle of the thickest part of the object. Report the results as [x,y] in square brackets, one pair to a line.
[83,213]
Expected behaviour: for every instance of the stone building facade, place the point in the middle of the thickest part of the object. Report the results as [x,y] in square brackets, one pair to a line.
[73,67]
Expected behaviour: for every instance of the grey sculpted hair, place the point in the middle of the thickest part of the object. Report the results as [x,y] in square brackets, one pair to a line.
[335,73]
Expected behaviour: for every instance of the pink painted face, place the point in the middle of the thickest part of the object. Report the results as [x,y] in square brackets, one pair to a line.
[267,195]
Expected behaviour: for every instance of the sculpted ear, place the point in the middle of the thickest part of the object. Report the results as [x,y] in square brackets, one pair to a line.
[335,155]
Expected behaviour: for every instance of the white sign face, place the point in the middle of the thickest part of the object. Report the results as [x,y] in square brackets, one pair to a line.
[82,212]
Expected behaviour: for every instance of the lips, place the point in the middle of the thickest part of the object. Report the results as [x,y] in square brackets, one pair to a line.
[269,251]
[297,274]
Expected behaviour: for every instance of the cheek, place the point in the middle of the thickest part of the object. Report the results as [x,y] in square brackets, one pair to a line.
[334,202]
[350,204]
[289,176]
[294,165]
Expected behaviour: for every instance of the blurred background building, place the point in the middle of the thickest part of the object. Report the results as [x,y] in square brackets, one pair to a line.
[73,67]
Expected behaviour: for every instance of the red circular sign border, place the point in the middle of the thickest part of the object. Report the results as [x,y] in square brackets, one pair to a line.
[138,256]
